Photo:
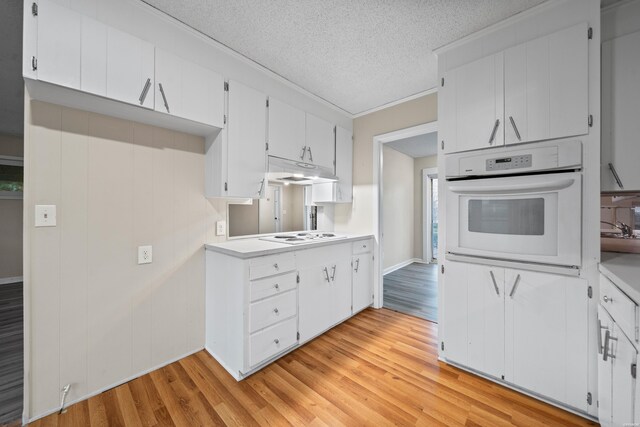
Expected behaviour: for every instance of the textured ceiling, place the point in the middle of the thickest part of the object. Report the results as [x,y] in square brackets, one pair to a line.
[11,83]
[417,146]
[356,54]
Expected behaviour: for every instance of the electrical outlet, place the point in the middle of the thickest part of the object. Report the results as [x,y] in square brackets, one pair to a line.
[145,254]
[221,228]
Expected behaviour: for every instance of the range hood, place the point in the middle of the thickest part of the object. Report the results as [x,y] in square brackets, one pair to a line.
[296,172]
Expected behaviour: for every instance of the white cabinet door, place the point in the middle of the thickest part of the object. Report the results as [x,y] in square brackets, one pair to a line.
[455,312]
[168,83]
[286,131]
[202,95]
[93,67]
[59,35]
[546,335]
[620,106]
[341,289]
[546,87]
[479,104]
[622,382]
[344,165]
[362,295]
[605,325]
[246,141]
[320,141]
[130,69]
[485,319]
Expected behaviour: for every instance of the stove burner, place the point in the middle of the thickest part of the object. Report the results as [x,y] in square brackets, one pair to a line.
[328,235]
[295,239]
[285,236]
[303,234]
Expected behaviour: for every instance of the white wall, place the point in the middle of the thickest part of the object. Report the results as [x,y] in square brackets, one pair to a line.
[397,207]
[545,19]
[419,164]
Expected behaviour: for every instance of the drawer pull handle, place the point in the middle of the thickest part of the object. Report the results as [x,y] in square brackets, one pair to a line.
[277,341]
[276,266]
[275,310]
[277,287]
[607,299]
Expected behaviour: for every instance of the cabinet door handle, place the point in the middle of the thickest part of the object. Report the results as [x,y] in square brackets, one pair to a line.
[164,97]
[261,187]
[515,128]
[493,132]
[357,264]
[607,338]
[145,89]
[310,155]
[495,285]
[616,176]
[333,274]
[600,328]
[304,151]
[326,274]
[515,286]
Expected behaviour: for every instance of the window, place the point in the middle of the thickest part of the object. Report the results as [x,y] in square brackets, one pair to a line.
[11,177]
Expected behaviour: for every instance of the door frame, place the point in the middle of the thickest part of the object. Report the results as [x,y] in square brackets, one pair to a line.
[427,247]
[377,199]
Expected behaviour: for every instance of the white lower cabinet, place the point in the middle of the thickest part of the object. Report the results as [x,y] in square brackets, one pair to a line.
[618,393]
[259,308]
[524,327]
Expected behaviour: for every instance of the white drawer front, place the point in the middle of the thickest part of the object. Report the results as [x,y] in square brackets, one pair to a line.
[274,285]
[620,306]
[272,310]
[272,264]
[362,246]
[266,344]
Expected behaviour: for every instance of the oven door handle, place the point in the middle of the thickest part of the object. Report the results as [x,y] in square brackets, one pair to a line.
[534,187]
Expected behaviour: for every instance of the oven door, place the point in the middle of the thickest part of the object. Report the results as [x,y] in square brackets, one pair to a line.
[534,218]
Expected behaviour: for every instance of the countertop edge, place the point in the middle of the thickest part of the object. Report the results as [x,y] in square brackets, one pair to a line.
[612,266]
[215,247]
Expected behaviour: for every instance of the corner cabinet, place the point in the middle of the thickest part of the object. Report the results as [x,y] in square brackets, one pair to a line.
[512,325]
[258,309]
[235,161]
[620,106]
[531,92]
[116,73]
[341,191]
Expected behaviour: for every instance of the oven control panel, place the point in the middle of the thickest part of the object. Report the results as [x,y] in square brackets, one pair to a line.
[511,162]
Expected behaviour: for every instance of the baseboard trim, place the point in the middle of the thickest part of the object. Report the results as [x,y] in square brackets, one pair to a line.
[9,280]
[400,265]
[116,384]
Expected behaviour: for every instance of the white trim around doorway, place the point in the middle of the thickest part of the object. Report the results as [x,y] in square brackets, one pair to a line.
[427,247]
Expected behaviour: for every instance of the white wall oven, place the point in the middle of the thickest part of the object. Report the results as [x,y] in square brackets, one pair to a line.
[517,204]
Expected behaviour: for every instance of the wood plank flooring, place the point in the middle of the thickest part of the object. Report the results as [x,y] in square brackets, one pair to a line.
[379,368]
[413,289]
[11,352]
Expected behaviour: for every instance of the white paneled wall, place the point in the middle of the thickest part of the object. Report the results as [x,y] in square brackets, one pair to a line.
[98,318]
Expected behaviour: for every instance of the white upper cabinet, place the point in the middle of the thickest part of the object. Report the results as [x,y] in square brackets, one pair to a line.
[187,90]
[286,131]
[620,106]
[341,191]
[93,67]
[130,69]
[546,87]
[59,34]
[474,104]
[246,130]
[320,142]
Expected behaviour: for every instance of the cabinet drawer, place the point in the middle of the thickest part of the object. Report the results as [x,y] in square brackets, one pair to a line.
[272,310]
[274,285]
[362,246]
[266,344]
[271,265]
[623,310]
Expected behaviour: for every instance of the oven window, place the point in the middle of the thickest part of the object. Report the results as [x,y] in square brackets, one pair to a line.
[524,217]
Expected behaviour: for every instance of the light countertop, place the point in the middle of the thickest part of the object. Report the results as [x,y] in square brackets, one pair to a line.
[623,269]
[254,247]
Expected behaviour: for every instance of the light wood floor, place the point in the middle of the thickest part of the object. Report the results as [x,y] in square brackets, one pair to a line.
[413,289]
[379,368]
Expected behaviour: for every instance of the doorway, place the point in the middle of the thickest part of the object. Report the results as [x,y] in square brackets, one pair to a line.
[407,220]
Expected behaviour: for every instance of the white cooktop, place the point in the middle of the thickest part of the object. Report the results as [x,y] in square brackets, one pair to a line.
[302,237]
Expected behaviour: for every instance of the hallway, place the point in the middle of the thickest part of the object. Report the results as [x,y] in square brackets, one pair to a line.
[413,290]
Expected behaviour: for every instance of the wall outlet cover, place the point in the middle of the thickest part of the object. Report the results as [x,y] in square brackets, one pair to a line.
[45,216]
[221,228]
[145,254]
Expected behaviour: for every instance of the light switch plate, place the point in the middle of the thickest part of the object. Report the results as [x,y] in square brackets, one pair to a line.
[45,216]
[145,254]
[221,228]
